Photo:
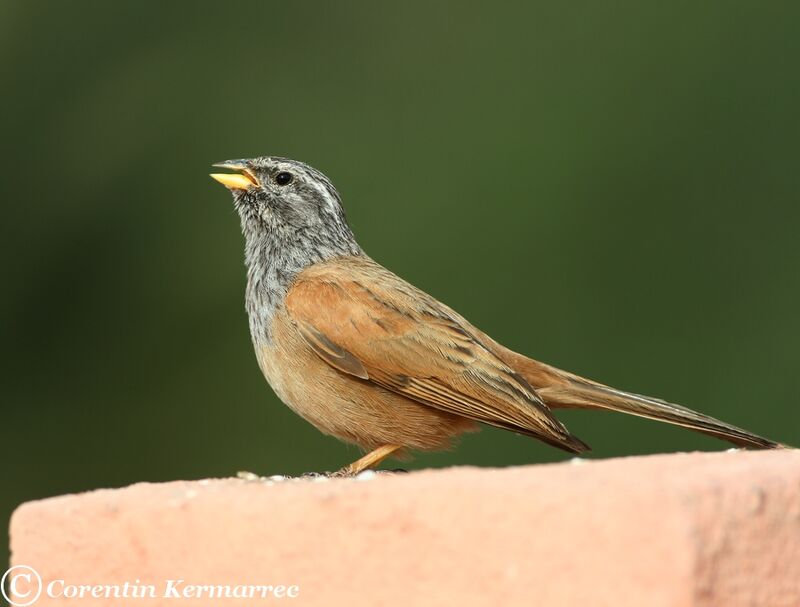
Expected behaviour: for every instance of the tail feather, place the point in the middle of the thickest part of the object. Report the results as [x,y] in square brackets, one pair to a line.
[560,389]
[587,395]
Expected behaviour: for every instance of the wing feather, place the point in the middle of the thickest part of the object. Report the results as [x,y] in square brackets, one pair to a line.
[365,321]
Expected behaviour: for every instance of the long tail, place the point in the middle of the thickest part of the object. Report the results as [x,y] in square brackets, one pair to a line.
[560,389]
[577,392]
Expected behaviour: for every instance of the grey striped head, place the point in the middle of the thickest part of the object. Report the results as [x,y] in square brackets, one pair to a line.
[273,193]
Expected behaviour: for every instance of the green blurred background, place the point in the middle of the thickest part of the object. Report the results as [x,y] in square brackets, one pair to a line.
[609,187]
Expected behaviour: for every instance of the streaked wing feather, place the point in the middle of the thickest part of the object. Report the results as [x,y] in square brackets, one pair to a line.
[331,353]
[365,321]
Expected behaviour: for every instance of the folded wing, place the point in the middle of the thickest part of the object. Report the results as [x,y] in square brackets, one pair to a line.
[367,322]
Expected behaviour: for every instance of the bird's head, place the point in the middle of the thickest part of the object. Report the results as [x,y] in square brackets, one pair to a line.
[279,198]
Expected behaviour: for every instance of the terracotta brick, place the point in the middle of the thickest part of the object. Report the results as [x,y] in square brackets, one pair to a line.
[696,529]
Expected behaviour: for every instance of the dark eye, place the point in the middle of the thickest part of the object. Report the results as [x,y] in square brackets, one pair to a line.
[283,178]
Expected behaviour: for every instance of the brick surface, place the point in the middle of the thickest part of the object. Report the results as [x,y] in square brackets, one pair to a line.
[702,529]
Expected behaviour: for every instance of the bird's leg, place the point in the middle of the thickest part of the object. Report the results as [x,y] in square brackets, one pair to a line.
[370,460]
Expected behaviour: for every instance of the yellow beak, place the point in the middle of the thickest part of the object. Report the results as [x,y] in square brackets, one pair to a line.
[235,181]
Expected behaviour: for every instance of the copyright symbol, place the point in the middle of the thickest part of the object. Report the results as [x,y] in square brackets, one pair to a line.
[23,588]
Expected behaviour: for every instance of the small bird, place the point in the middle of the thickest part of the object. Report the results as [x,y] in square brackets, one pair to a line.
[370,359]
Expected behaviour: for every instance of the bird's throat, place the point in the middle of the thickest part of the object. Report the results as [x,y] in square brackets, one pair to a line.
[273,262]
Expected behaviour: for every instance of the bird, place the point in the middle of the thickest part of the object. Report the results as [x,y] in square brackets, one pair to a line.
[368,358]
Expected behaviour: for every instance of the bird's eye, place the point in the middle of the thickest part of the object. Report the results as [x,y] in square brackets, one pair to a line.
[283,178]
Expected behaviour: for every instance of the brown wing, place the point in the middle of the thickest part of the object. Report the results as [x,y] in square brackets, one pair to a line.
[365,321]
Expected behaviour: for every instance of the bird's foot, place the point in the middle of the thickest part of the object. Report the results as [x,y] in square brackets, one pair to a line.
[369,461]
[361,468]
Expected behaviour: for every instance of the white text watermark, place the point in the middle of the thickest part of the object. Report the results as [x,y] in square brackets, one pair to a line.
[22,586]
